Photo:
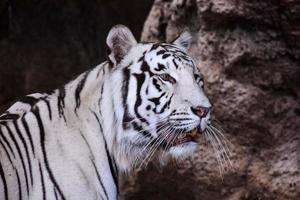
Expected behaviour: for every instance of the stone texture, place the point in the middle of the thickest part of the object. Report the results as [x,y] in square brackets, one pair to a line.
[249,54]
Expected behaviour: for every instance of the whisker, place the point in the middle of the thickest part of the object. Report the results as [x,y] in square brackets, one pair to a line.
[152,149]
[162,126]
[224,151]
[221,134]
[157,145]
[212,142]
[226,143]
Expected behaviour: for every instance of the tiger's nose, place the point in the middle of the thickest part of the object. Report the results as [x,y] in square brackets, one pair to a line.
[200,110]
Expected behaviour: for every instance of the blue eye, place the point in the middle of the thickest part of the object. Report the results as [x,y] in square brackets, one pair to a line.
[167,77]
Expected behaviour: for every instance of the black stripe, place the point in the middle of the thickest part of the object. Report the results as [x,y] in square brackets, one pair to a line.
[160,52]
[61,102]
[112,165]
[48,107]
[154,46]
[42,181]
[87,144]
[176,66]
[111,161]
[2,175]
[9,116]
[36,112]
[182,119]
[171,47]
[156,100]
[141,58]
[91,152]
[185,57]
[179,113]
[141,130]
[79,89]
[156,85]
[166,55]
[110,63]
[146,68]
[181,125]
[125,86]
[101,95]
[26,127]
[99,180]
[165,106]
[26,150]
[19,185]
[7,143]
[21,156]
[100,70]
[29,100]
[160,67]
[55,193]
[8,156]
[126,73]
[126,117]
[140,78]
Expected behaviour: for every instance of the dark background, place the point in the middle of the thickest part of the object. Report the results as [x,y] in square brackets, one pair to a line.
[43,44]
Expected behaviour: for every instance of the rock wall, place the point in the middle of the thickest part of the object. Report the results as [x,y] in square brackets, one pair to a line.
[249,54]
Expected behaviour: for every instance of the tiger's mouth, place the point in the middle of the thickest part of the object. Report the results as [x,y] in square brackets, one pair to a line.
[186,137]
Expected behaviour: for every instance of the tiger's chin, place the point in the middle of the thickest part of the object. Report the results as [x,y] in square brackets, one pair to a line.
[183,150]
[184,145]
[178,153]
[137,152]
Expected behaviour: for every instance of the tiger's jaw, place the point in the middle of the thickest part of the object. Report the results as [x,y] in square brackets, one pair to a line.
[184,138]
[182,145]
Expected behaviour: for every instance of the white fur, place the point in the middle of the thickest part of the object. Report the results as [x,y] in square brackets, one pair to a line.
[75,140]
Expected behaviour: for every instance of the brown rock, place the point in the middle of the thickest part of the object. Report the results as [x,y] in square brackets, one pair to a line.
[249,53]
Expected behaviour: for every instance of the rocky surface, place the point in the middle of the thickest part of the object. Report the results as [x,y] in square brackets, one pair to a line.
[249,54]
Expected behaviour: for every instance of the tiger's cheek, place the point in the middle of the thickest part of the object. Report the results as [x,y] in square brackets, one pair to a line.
[159,99]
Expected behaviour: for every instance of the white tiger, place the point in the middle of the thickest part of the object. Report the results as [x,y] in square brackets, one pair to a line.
[145,101]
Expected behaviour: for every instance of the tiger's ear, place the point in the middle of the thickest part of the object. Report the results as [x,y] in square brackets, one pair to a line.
[119,40]
[183,41]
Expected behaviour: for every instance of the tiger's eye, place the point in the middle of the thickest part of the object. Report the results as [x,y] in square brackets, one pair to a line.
[167,77]
[199,80]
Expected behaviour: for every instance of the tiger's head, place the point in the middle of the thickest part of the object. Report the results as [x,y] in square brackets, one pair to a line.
[158,96]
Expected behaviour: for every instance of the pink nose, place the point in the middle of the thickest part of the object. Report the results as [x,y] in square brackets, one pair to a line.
[200,111]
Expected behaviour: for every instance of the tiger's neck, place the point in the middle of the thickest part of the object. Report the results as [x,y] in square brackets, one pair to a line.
[85,105]
[90,95]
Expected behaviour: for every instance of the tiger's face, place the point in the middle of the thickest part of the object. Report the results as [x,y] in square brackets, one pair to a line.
[164,106]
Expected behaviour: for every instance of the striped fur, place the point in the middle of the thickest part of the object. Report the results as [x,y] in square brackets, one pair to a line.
[72,143]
